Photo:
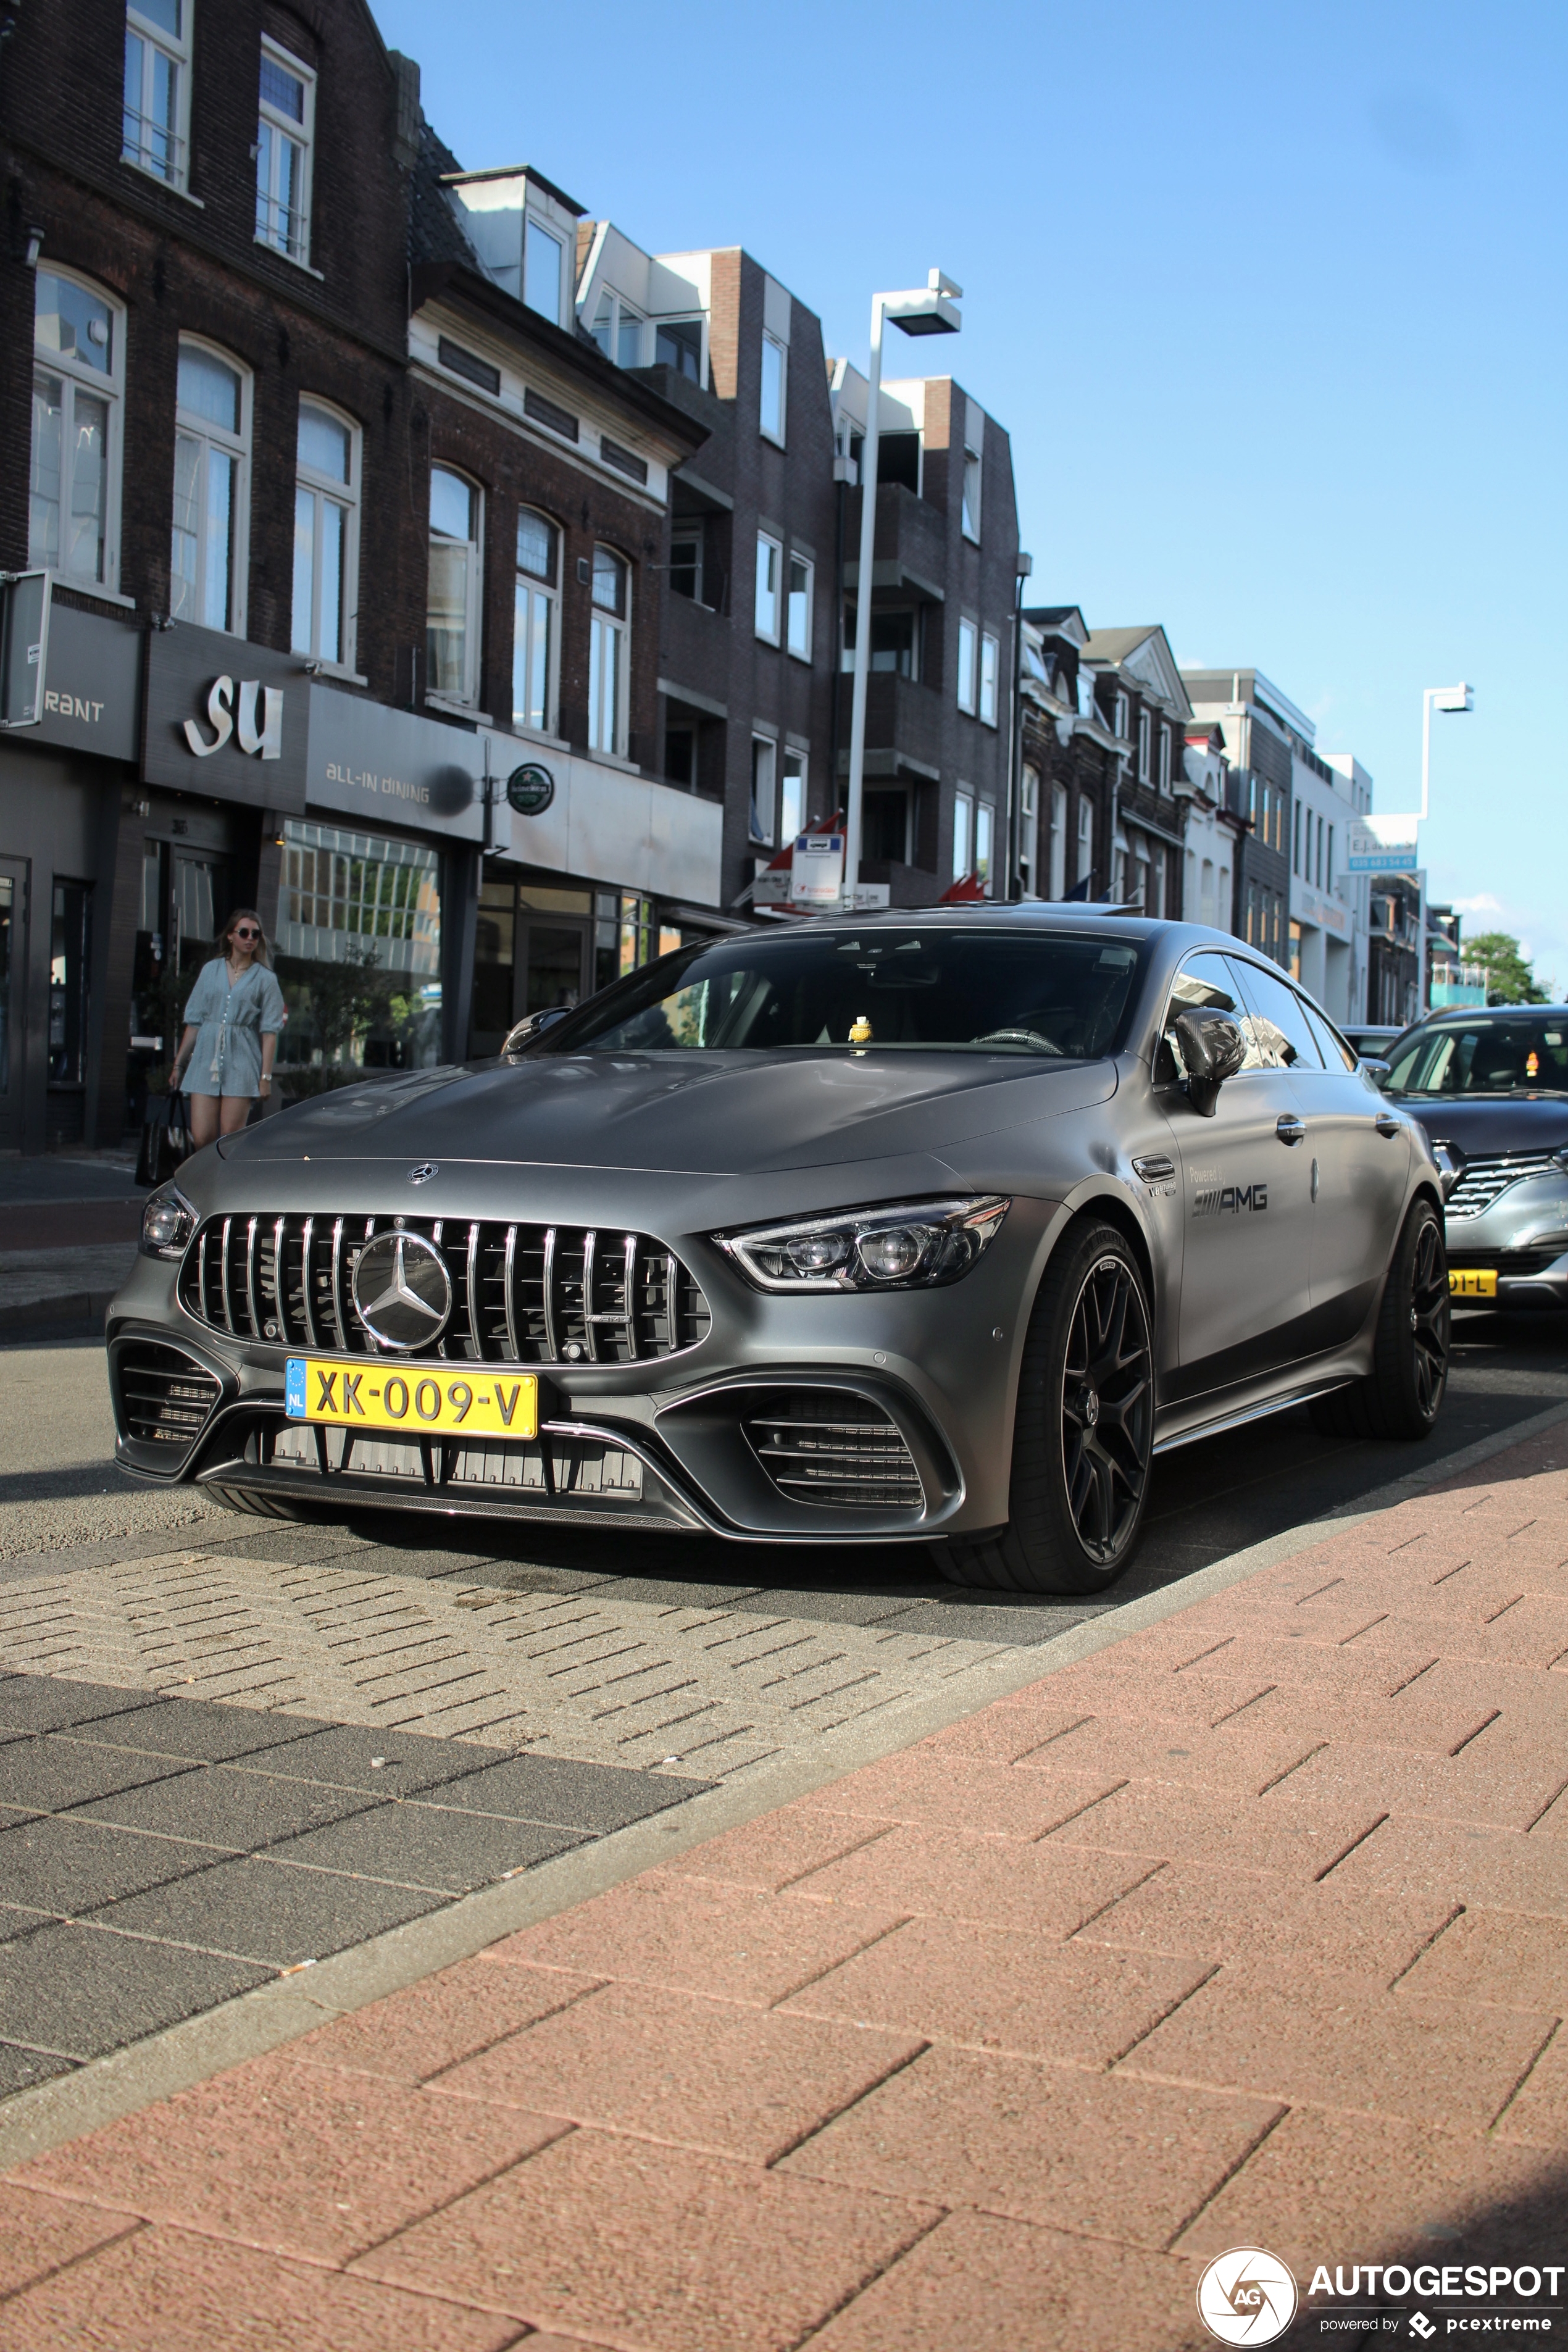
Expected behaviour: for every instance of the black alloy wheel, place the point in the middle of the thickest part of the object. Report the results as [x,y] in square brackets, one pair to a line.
[1083,1433]
[1107,1400]
[1402,1394]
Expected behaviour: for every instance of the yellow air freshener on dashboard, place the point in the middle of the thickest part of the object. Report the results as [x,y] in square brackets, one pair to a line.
[860,1035]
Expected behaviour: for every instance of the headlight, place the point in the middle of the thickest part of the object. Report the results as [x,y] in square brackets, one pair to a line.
[907,1247]
[168,1220]
[1450,1167]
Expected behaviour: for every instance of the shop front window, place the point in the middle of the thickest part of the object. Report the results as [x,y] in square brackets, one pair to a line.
[359,955]
[69,942]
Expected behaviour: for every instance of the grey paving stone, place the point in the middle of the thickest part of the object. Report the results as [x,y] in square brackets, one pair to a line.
[45,1703]
[222,1805]
[21,2068]
[62,1863]
[261,1910]
[428,1845]
[384,1763]
[201,1729]
[83,1991]
[49,1773]
[595,1796]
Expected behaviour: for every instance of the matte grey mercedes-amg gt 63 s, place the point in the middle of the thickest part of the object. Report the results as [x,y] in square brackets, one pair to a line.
[925,1227]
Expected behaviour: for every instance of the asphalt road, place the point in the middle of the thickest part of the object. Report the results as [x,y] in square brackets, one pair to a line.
[229,1746]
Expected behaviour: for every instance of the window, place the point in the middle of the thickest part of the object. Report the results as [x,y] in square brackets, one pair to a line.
[1085,840]
[963,832]
[686,561]
[990,655]
[1165,758]
[1295,841]
[791,796]
[680,757]
[773,401]
[211,446]
[765,771]
[1280,1022]
[348,898]
[617,330]
[1057,885]
[541,270]
[533,626]
[968,659]
[73,513]
[972,494]
[326,537]
[1321,822]
[1328,870]
[899,459]
[770,558]
[1145,727]
[288,111]
[157,112]
[895,642]
[607,653]
[452,611]
[70,945]
[1119,708]
[677,344]
[798,637]
[985,827]
[1028,831]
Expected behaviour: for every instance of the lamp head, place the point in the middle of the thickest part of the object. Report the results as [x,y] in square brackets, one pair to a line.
[1454,697]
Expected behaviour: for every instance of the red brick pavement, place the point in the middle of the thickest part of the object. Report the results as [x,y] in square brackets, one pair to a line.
[1252,1928]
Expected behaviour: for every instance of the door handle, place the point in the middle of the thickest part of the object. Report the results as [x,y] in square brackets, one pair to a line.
[1288,1129]
[1386,1124]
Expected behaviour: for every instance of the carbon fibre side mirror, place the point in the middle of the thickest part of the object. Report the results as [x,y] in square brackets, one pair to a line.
[1213,1049]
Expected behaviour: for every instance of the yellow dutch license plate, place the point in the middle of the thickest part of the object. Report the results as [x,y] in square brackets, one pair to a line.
[473,1401]
[1472,1282]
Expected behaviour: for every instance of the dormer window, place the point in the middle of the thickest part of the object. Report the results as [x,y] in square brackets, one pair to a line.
[677,344]
[544,270]
[617,330]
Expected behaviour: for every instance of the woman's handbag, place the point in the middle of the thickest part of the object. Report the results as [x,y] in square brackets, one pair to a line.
[165,1138]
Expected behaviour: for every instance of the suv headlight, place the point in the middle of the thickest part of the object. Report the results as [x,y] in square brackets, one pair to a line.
[168,1220]
[907,1247]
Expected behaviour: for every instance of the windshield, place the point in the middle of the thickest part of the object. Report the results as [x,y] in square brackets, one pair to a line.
[1525,1055]
[884,991]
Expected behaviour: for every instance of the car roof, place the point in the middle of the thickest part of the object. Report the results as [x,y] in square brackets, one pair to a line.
[1103,917]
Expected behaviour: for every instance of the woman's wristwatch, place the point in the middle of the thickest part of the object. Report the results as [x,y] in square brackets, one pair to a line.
[267,1081]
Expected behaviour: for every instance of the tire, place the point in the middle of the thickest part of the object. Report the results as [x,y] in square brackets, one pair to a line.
[1402,1394]
[256,1503]
[1083,1434]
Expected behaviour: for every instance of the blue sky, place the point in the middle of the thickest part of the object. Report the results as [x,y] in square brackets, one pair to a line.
[1270,301]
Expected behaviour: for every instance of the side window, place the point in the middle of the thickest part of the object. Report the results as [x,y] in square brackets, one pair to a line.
[1205,980]
[1336,1053]
[1279,1020]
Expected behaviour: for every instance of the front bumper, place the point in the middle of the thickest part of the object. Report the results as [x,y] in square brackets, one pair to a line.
[879,1418]
[1523,1238]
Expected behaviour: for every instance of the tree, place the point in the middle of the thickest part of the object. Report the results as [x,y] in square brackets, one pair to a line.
[1510,978]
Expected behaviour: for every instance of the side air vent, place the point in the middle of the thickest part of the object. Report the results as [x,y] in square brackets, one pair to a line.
[828,1445]
[164,1397]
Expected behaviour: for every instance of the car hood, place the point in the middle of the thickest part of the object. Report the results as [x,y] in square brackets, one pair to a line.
[1484,1127]
[702,1114]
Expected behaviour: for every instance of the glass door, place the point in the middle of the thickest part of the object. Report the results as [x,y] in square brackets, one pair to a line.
[13,970]
[551,963]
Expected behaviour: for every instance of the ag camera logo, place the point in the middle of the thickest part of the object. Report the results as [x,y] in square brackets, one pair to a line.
[1247,2296]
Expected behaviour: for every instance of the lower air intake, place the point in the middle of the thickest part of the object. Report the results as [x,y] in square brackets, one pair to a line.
[164,1397]
[830,1446]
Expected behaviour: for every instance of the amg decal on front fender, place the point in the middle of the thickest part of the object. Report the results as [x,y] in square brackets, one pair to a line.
[1213,1199]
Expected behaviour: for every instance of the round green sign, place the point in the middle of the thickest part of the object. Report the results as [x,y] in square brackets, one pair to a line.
[530,789]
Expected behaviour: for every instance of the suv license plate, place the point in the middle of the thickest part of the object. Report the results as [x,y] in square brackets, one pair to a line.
[1472,1283]
[484,1400]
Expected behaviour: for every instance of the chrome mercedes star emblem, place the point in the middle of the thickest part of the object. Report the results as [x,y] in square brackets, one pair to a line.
[425,1169]
[401,1290]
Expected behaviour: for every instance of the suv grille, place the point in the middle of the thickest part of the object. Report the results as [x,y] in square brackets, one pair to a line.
[1483,1180]
[523,1294]
[165,1398]
[827,1445]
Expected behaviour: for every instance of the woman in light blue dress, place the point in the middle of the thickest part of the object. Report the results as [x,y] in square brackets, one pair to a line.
[232,1020]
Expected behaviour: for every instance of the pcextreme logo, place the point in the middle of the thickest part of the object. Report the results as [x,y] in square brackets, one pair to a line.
[1211,1198]
[1247,2296]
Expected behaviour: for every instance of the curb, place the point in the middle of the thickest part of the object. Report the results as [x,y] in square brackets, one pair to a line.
[75,1314]
[260,2021]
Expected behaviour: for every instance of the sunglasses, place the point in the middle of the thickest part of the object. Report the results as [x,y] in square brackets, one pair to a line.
[244,931]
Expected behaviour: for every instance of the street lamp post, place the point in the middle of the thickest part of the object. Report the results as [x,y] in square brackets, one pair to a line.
[930,309]
[1460,698]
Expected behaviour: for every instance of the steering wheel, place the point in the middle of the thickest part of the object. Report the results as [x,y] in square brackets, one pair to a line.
[1017,1037]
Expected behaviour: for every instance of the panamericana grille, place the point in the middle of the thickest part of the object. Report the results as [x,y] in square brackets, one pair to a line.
[164,1397]
[1483,1180]
[828,1445]
[1507,1262]
[523,1294]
